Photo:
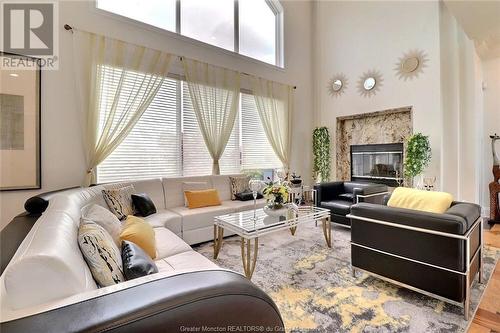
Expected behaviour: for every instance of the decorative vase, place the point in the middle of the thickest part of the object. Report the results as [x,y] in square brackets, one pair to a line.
[275,212]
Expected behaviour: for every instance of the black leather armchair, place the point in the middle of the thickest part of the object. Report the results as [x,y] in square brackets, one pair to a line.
[339,196]
[436,254]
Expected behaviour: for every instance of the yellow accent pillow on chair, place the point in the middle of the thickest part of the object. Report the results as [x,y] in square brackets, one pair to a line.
[140,232]
[202,198]
[427,201]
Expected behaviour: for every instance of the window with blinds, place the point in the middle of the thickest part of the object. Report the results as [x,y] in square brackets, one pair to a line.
[195,156]
[167,141]
[153,147]
[256,152]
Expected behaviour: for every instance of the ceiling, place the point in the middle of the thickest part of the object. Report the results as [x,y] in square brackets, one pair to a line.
[481,22]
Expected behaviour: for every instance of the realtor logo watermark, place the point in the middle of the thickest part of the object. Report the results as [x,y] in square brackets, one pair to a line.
[30,29]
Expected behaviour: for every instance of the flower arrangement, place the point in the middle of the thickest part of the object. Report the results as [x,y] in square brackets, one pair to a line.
[276,195]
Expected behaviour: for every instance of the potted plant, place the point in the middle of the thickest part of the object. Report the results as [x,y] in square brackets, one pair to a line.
[321,151]
[276,195]
[417,155]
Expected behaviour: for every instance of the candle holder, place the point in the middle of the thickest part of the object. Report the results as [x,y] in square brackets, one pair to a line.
[255,186]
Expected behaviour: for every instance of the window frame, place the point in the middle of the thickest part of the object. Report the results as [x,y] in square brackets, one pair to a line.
[274,5]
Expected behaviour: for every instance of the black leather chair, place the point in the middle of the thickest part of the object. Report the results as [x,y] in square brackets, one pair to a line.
[339,196]
[438,255]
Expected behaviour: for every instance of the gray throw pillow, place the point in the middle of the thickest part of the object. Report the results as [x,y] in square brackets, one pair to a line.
[97,214]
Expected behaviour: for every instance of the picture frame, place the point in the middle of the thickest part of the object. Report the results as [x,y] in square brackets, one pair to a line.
[20,122]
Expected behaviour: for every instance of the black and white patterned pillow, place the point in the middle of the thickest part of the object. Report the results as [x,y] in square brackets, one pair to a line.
[119,201]
[101,254]
[238,185]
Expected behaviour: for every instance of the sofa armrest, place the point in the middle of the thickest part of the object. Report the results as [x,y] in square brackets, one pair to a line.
[214,298]
[447,223]
[328,191]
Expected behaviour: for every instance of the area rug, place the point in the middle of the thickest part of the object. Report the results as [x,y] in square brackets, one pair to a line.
[315,291]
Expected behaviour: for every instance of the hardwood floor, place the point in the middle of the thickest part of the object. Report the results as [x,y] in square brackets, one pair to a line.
[487,318]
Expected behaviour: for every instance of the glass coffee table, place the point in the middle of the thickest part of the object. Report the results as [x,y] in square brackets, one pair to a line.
[252,224]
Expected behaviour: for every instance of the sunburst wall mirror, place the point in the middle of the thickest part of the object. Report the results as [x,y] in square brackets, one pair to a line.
[337,85]
[369,83]
[411,64]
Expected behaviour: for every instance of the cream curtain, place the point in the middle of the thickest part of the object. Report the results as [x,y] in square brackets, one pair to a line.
[215,94]
[275,106]
[111,70]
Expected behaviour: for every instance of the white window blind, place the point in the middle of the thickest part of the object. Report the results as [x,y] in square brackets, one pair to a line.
[196,158]
[256,152]
[152,148]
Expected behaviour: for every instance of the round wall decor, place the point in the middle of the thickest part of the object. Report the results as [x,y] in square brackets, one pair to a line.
[337,85]
[369,83]
[411,64]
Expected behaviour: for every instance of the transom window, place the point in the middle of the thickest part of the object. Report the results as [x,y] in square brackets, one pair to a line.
[249,27]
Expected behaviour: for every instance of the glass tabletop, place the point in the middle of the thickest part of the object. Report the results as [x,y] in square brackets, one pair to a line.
[257,221]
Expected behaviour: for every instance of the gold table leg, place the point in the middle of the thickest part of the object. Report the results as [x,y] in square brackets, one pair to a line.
[327,231]
[248,262]
[218,236]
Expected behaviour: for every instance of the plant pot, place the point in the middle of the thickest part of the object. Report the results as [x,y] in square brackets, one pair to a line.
[275,212]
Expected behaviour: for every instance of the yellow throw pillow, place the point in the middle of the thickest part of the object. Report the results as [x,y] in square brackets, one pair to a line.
[427,201]
[138,231]
[202,198]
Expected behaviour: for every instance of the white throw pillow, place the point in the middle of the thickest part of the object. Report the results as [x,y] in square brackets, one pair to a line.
[101,254]
[97,214]
[193,186]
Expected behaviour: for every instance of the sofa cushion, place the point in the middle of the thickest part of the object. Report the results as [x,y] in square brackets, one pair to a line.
[101,254]
[120,201]
[167,219]
[247,195]
[143,204]
[339,207]
[468,211]
[152,187]
[97,214]
[141,233]
[222,184]
[136,262]
[347,196]
[168,244]
[185,261]
[174,194]
[193,186]
[200,217]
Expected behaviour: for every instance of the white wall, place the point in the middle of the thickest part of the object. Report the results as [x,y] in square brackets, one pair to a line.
[461,106]
[354,37]
[62,155]
[491,120]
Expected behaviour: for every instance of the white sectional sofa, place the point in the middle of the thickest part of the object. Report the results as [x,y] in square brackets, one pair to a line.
[48,270]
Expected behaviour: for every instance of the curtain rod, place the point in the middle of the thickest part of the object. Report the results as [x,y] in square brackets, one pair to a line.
[70,28]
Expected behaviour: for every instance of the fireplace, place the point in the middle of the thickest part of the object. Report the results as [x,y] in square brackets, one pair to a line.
[377,163]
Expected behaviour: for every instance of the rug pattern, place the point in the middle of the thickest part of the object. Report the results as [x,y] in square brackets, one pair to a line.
[315,291]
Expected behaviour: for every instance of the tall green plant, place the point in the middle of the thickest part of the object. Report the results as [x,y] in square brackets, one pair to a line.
[321,151]
[418,155]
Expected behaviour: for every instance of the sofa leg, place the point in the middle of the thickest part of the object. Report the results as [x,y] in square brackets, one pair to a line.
[467,298]
[353,272]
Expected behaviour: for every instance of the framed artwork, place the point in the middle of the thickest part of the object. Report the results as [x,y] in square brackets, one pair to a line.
[20,164]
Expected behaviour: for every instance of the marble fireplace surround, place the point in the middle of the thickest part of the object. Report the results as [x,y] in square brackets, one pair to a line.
[387,126]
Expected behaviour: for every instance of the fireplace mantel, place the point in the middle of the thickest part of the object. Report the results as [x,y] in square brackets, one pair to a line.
[387,126]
